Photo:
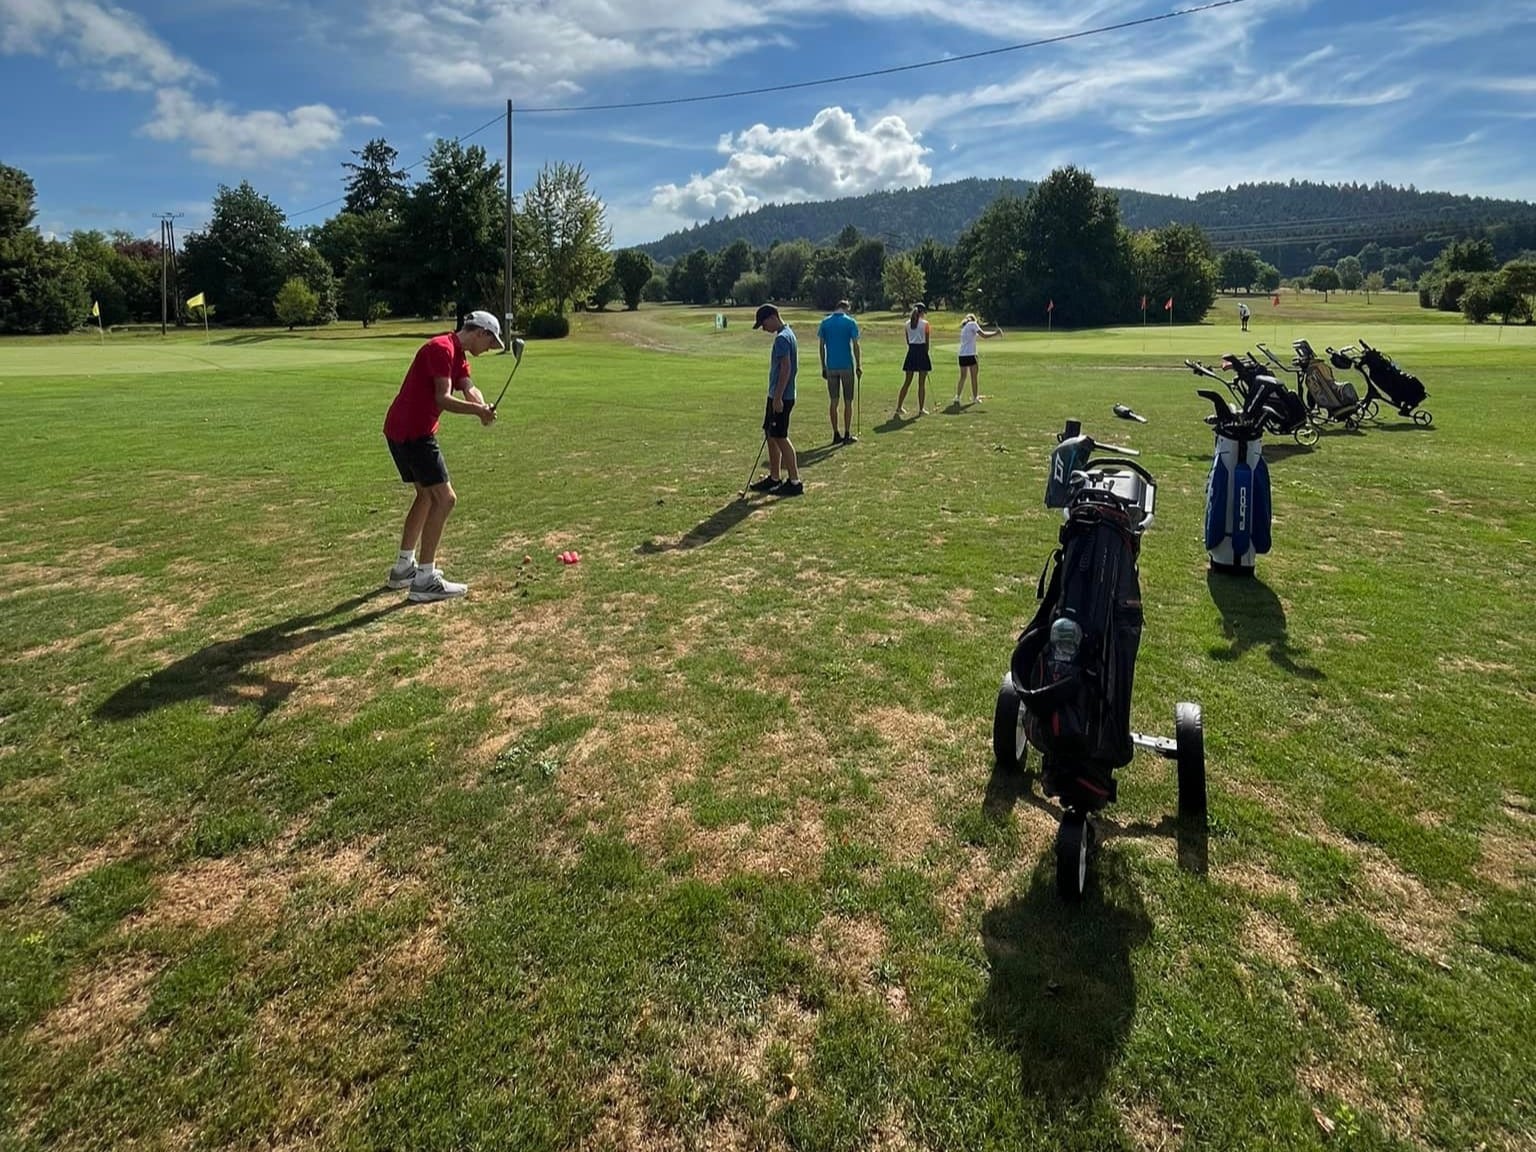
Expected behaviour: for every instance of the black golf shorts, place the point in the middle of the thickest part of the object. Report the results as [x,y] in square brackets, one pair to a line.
[967,361]
[420,461]
[776,424]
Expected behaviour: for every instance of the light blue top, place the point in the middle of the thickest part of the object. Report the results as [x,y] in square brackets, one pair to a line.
[838,331]
[785,347]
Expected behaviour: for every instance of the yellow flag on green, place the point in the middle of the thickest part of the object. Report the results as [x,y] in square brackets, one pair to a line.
[196,301]
[95,308]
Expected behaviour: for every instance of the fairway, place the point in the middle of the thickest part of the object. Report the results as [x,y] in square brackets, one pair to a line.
[698,843]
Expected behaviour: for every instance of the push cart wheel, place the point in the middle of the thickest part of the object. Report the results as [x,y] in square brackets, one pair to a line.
[1009,748]
[1306,435]
[1189,739]
[1423,419]
[1074,841]
[1371,409]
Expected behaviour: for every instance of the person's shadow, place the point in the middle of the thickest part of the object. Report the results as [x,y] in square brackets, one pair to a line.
[711,528]
[1061,994]
[1251,614]
[221,672]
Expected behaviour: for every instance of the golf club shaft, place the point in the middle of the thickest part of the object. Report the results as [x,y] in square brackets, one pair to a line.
[756,460]
[508,384]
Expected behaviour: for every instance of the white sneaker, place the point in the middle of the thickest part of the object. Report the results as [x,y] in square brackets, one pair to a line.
[400,577]
[434,587]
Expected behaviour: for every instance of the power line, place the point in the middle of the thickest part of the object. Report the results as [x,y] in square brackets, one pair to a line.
[1175,14]
[497,119]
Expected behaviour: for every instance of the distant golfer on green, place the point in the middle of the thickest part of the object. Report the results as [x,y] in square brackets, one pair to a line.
[439,369]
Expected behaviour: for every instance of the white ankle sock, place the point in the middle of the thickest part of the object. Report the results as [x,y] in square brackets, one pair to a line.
[406,558]
[424,570]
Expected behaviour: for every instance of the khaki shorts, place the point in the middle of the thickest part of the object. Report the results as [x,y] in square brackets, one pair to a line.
[840,378]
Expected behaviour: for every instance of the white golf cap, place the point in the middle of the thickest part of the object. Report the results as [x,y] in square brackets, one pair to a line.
[487,321]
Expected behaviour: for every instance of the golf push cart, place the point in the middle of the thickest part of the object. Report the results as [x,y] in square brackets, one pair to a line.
[1068,687]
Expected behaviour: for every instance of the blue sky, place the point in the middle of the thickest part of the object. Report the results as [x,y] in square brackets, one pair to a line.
[122,111]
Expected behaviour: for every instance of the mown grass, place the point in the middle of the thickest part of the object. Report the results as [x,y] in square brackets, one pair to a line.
[697,844]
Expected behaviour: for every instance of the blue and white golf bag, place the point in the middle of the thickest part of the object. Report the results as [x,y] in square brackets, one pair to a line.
[1237,498]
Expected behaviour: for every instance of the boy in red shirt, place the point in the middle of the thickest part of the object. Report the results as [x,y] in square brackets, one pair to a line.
[440,368]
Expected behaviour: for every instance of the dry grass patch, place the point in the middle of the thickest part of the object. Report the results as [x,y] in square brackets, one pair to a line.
[1267,938]
[1259,881]
[1507,859]
[60,875]
[852,948]
[102,1004]
[1149,1129]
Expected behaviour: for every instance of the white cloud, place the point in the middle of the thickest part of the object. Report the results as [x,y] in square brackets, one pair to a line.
[110,44]
[828,158]
[220,136]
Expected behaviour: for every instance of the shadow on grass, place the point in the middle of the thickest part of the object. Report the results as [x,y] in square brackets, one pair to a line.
[221,673]
[1286,451]
[702,533]
[894,423]
[1251,614]
[1403,428]
[1190,834]
[1061,994]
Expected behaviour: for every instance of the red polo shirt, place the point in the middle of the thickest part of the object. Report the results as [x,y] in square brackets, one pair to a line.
[415,413]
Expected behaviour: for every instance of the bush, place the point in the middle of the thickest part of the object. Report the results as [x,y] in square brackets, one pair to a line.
[750,288]
[296,303]
[548,326]
[655,290]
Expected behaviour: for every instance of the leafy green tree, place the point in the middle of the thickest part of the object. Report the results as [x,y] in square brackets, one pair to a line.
[375,185]
[785,269]
[903,282]
[750,289]
[240,259]
[866,266]
[692,273]
[1269,277]
[450,243]
[1373,283]
[826,279]
[1371,259]
[936,261]
[1173,261]
[1350,274]
[606,293]
[1073,255]
[847,238]
[994,272]
[357,248]
[1239,269]
[733,260]
[1519,279]
[655,290]
[569,234]
[295,303]
[634,270]
[1323,279]
[305,262]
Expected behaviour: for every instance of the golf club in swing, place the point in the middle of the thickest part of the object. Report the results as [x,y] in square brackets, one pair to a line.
[517,362]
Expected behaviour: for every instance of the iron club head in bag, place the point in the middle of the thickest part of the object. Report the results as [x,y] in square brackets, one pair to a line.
[517,362]
[1125,413]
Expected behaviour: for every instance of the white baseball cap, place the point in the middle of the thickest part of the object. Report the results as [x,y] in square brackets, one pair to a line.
[487,321]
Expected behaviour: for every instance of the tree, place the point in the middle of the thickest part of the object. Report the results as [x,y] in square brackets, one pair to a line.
[655,290]
[375,185]
[993,272]
[751,288]
[304,262]
[42,290]
[1269,277]
[633,269]
[1375,282]
[903,282]
[1350,274]
[785,269]
[866,266]
[1323,279]
[1072,254]
[729,265]
[1519,279]
[826,279]
[569,234]
[692,278]
[848,237]
[1239,269]
[356,246]
[239,260]
[450,245]
[1173,261]
[936,261]
[606,293]
[1371,258]
[295,303]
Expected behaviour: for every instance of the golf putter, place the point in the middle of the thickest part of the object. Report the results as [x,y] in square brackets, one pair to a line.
[517,362]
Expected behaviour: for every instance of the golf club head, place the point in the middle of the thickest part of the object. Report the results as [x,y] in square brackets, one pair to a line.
[517,349]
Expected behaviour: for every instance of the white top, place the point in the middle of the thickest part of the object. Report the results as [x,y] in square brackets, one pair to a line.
[918,335]
[968,332]
[1242,309]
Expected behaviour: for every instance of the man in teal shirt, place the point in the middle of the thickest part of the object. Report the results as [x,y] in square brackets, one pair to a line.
[842,364]
[782,367]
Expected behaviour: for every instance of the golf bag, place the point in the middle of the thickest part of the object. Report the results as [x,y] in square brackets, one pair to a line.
[1283,412]
[1237,494]
[1385,381]
[1075,684]
[1327,396]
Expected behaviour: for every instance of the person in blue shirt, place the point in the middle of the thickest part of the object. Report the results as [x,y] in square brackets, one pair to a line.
[783,477]
[841,365]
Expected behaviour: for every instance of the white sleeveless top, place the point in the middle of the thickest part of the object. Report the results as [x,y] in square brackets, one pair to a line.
[918,335]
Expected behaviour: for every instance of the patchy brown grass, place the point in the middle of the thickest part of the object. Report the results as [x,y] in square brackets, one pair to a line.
[1259,881]
[852,948]
[1507,859]
[59,875]
[1267,938]
[1148,1128]
[102,1004]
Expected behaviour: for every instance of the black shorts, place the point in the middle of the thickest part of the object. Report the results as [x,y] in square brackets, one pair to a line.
[776,424]
[420,461]
[967,361]
[917,359]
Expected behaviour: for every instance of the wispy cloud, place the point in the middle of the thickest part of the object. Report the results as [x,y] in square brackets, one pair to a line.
[108,45]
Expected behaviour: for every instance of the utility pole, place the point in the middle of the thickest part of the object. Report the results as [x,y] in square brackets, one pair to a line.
[506,317]
[168,281]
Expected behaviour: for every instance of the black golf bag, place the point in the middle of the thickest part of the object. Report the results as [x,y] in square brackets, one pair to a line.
[1076,691]
[1284,412]
[1385,381]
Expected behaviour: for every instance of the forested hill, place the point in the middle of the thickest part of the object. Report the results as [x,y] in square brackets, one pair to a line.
[1283,221]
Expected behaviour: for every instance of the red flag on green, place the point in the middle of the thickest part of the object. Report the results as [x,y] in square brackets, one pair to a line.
[1051,307]
[1168,307]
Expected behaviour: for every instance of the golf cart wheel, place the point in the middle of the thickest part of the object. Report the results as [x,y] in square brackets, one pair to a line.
[1371,409]
[1352,423]
[1009,749]
[1306,435]
[1317,417]
[1423,419]
[1189,740]
[1074,842]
